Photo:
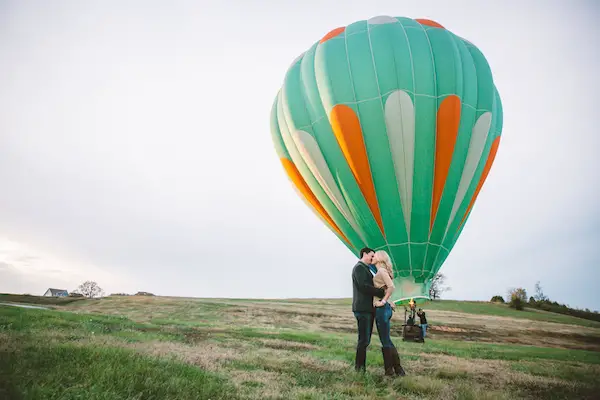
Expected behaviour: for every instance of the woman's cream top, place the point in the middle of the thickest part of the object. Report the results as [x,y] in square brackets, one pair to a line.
[382,278]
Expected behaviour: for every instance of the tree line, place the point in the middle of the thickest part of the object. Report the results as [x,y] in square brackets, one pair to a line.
[517,299]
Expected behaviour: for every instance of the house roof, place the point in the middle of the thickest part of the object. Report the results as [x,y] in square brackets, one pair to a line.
[57,291]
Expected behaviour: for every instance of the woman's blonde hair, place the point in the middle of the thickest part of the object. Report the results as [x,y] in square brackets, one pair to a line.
[383,260]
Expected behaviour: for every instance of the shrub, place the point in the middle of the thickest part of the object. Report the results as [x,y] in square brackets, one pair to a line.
[516,303]
[532,301]
[518,298]
[497,299]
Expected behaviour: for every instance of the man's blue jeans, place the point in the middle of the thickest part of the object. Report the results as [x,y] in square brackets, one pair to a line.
[383,315]
[424,329]
[365,328]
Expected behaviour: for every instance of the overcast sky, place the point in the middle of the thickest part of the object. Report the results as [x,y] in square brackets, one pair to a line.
[135,149]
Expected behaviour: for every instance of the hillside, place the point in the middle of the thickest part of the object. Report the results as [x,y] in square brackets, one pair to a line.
[179,348]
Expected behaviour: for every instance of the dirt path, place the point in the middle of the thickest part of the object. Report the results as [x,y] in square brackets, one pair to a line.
[24,306]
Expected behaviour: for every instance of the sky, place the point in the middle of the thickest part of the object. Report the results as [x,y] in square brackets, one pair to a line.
[135,149]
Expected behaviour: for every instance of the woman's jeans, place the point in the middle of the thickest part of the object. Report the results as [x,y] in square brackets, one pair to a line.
[383,315]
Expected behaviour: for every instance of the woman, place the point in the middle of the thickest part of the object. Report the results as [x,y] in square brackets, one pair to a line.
[383,313]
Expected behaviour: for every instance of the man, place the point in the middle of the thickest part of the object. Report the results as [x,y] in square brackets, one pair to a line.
[423,319]
[362,304]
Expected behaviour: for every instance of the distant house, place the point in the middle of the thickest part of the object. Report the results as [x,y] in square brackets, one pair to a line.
[56,293]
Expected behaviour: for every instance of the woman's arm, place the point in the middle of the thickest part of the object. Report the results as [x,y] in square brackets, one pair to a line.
[389,285]
[389,291]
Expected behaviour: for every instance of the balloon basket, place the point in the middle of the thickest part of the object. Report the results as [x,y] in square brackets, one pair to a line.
[412,333]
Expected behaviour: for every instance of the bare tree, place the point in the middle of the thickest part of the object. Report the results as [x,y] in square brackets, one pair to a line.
[539,294]
[90,289]
[437,286]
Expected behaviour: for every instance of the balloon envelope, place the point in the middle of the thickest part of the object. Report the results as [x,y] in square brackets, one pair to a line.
[388,129]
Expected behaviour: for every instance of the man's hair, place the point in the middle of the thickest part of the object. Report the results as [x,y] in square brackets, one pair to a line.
[365,250]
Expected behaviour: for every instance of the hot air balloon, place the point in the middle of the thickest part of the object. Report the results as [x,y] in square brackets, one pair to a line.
[388,128]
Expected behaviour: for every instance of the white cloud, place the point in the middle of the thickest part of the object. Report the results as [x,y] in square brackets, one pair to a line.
[29,270]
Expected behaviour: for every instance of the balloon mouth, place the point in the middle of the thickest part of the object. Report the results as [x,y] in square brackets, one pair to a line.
[416,299]
[408,290]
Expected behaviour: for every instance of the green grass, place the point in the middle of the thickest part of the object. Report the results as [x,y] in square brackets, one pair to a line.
[65,371]
[37,322]
[41,300]
[575,372]
[108,356]
[61,366]
[330,345]
[491,351]
[503,310]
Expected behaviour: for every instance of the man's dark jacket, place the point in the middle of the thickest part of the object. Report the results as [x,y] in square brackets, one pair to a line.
[363,289]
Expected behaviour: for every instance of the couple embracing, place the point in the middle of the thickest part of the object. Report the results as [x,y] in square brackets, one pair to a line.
[372,286]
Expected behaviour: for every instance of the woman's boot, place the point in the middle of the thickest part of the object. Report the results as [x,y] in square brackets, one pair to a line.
[396,362]
[388,361]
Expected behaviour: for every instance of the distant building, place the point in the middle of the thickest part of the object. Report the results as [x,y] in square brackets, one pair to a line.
[56,293]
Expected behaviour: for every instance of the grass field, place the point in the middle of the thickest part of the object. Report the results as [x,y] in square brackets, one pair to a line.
[182,348]
[39,300]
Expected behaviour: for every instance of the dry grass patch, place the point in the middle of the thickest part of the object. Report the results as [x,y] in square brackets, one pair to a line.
[272,317]
[358,390]
[315,394]
[286,344]
[496,379]
[322,365]
[205,355]
[348,326]
[471,391]
[498,323]
[456,366]
[497,329]
[421,385]
[285,360]
[259,384]
[441,328]
[7,343]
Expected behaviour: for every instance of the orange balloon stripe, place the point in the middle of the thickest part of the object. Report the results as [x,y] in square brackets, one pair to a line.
[448,120]
[486,171]
[332,34]
[429,22]
[346,128]
[302,186]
